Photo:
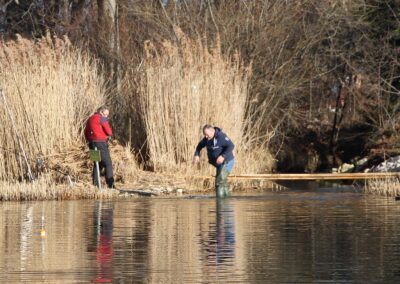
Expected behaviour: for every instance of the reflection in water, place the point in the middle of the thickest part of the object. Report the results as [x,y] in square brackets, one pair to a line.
[26,235]
[289,237]
[102,241]
[220,246]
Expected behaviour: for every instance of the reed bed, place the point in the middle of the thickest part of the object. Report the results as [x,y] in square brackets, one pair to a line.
[67,175]
[50,88]
[187,85]
[44,188]
[73,164]
[385,187]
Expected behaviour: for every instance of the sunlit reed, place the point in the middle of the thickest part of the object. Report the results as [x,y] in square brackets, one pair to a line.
[44,188]
[50,88]
[384,187]
[187,85]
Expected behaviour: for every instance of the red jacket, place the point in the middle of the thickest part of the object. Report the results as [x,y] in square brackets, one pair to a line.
[97,128]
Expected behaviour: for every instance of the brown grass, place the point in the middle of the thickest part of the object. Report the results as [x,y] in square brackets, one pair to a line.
[51,88]
[384,187]
[298,51]
[44,188]
[73,162]
[187,85]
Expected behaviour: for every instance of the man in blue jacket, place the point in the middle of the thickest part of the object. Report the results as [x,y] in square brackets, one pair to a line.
[220,155]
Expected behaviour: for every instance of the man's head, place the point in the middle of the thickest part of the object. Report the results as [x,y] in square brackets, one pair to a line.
[208,131]
[103,111]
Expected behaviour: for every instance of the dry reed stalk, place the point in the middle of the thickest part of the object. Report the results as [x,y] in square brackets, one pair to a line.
[187,86]
[51,88]
[383,186]
[74,162]
[44,188]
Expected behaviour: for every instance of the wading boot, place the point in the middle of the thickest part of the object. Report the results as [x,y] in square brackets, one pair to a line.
[220,191]
[227,191]
[110,182]
[221,183]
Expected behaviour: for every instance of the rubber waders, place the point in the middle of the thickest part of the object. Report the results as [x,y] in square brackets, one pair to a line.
[221,183]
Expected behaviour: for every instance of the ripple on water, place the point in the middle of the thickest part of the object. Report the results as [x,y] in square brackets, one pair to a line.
[290,236]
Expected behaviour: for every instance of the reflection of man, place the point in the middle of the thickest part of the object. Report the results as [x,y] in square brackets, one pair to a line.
[220,155]
[225,232]
[221,242]
[97,133]
[103,238]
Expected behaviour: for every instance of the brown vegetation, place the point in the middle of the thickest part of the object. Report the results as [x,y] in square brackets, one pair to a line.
[323,76]
[385,187]
[323,79]
[45,188]
[48,90]
[188,86]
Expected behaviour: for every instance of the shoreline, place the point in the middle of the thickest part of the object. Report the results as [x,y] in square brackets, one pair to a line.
[146,184]
[31,192]
[156,185]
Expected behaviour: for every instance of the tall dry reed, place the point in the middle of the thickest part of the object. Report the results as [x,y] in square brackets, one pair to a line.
[187,85]
[384,187]
[51,88]
[44,188]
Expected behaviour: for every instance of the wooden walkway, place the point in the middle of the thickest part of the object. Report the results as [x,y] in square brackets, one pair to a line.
[323,176]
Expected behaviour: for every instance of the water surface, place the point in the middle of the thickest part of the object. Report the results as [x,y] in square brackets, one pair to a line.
[323,236]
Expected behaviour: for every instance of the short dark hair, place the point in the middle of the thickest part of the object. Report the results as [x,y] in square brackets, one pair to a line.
[207,126]
[102,108]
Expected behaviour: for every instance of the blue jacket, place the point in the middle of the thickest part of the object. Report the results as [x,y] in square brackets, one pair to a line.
[220,145]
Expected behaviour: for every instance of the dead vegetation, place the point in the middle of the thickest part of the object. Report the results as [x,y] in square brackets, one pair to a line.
[384,187]
[187,86]
[45,188]
[48,90]
[316,82]
[319,68]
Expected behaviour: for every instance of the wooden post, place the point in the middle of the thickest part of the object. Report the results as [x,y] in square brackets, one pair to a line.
[320,176]
[95,156]
[98,172]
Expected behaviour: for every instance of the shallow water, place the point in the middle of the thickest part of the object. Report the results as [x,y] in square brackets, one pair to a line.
[287,237]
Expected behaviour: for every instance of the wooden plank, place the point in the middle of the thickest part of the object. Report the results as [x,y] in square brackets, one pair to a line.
[322,176]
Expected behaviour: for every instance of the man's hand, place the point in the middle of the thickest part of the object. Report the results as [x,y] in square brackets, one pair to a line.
[196,159]
[220,160]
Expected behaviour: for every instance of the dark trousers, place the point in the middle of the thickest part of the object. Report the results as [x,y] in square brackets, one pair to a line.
[105,163]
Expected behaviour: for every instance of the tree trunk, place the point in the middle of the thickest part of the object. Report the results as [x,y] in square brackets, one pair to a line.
[110,11]
[64,15]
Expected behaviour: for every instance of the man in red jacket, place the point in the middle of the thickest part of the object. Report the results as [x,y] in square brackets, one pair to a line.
[97,133]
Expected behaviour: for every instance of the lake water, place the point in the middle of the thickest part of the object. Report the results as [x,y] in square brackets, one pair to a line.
[293,236]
